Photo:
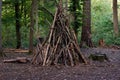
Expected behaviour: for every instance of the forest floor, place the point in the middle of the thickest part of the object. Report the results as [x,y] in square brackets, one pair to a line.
[95,70]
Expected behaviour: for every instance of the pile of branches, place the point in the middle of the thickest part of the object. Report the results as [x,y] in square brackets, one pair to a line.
[61,46]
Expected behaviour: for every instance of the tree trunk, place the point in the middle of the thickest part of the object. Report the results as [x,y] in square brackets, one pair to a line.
[74,7]
[32,24]
[115,18]
[0,27]
[25,12]
[18,25]
[75,17]
[86,28]
[36,21]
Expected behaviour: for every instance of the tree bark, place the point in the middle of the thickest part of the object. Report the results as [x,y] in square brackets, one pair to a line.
[32,24]
[75,17]
[115,18]
[74,8]
[86,28]
[36,21]
[25,12]
[18,24]
[0,27]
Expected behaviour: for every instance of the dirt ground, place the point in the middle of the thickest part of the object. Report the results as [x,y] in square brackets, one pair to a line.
[93,71]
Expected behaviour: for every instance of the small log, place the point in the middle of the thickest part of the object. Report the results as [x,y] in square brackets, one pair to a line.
[15,51]
[10,61]
[22,59]
[17,60]
[21,51]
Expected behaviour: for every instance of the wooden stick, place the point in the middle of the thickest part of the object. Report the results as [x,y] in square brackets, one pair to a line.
[61,45]
[57,57]
[71,58]
[82,57]
[49,40]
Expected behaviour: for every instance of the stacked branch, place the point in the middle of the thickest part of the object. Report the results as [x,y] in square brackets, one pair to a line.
[61,46]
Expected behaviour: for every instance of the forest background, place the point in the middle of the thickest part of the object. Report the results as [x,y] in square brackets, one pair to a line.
[101,18]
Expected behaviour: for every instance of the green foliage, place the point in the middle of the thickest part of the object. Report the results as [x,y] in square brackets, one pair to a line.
[102,24]
[45,18]
[8,33]
[76,10]
[8,23]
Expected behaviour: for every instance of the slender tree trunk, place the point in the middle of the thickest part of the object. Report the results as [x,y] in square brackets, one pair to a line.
[75,16]
[18,25]
[115,18]
[32,24]
[25,13]
[0,27]
[36,21]
[86,29]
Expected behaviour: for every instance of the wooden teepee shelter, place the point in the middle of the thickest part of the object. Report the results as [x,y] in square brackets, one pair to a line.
[61,46]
